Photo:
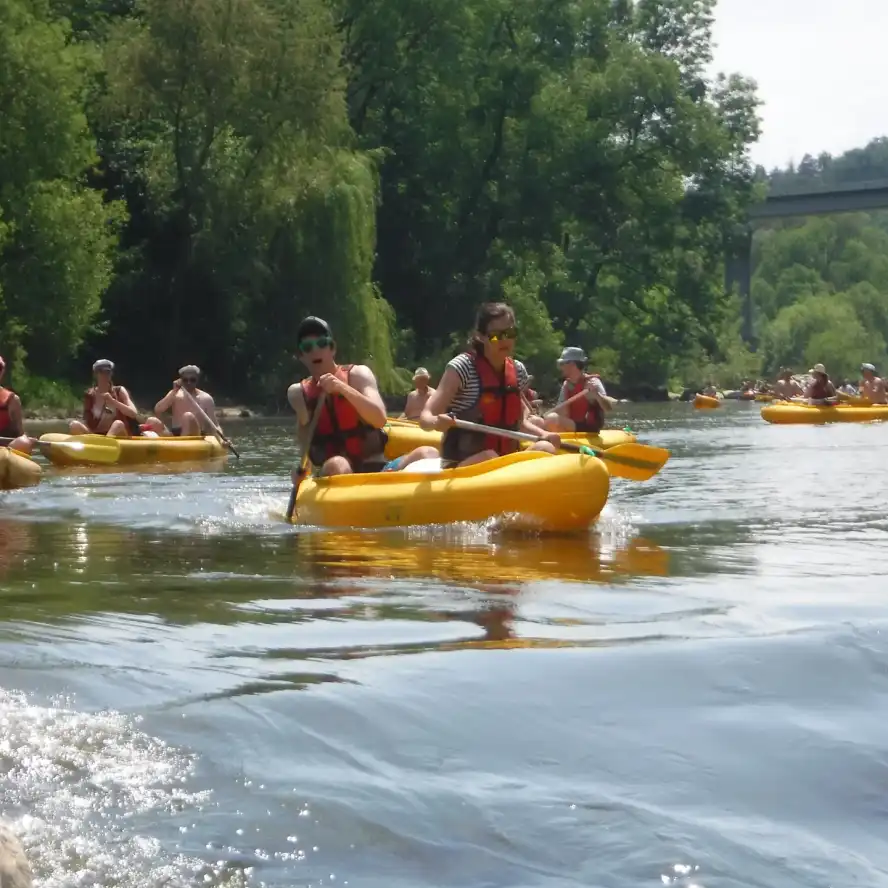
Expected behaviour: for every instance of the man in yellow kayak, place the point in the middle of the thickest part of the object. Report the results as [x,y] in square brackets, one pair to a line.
[179,401]
[786,388]
[820,390]
[349,434]
[12,424]
[108,409]
[872,387]
[582,401]
[484,384]
[417,399]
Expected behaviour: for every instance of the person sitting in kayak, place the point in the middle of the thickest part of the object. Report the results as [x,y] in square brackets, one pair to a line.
[12,424]
[417,399]
[710,391]
[108,409]
[349,435]
[786,388]
[484,385]
[185,420]
[872,387]
[846,388]
[572,413]
[820,390]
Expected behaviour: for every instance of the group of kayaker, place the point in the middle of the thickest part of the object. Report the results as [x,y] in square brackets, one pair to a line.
[484,384]
[108,409]
[821,389]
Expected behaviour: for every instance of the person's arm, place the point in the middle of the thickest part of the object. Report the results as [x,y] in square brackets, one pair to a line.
[596,392]
[16,420]
[125,404]
[209,407]
[166,402]
[362,393]
[296,397]
[434,414]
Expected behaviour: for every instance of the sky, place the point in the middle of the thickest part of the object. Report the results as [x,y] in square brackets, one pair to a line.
[820,69]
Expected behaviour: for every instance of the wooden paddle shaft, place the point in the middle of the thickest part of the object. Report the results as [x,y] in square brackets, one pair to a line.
[493,430]
[306,456]
[202,413]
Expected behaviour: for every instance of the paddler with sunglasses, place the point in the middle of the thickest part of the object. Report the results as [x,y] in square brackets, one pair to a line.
[185,421]
[484,384]
[349,434]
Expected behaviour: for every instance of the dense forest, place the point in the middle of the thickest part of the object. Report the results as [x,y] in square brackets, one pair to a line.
[181,181]
[820,288]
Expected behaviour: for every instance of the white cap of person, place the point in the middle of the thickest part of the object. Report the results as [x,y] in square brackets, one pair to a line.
[818,368]
[421,373]
[103,364]
[573,355]
[870,367]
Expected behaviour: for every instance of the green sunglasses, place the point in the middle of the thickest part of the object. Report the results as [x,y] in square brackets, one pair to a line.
[511,333]
[307,345]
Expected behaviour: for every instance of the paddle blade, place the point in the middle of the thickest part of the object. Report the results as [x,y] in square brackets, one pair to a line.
[89,449]
[635,462]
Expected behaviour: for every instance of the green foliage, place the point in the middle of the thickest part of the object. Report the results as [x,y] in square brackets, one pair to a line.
[58,237]
[46,394]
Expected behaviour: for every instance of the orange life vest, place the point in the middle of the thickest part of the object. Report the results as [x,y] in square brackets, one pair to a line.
[92,422]
[5,420]
[587,416]
[340,430]
[499,402]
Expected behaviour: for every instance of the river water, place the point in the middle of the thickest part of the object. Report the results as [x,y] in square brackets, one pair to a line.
[695,693]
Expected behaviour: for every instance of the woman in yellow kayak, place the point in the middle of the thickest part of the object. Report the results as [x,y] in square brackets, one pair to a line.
[108,409]
[12,428]
[820,390]
[484,384]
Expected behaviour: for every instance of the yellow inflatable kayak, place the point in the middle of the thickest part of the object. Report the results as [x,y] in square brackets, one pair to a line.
[403,437]
[142,451]
[765,396]
[704,402]
[17,470]
[555,493]
[787,413]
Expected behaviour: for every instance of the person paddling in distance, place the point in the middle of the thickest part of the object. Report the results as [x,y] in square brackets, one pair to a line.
[185,420]
[574,413]
[417,399]
[786,388]
[820,390]
[872,387]
[349,435]
[484,384]
[108,409]
[12,424]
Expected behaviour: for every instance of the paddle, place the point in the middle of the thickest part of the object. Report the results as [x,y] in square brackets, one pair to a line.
[636,462]
[97,449]
[216,430]
[306,459]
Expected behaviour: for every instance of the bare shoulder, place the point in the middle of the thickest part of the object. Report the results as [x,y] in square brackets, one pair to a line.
[205,399]
[362,375]
[296,396]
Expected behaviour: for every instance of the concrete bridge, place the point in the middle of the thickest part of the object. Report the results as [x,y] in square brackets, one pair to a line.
[856,198]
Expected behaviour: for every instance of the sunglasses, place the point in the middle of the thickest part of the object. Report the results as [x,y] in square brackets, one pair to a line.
[511,333]
[190,380]
[307,345]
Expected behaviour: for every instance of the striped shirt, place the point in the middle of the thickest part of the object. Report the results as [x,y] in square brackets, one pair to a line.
[470,383]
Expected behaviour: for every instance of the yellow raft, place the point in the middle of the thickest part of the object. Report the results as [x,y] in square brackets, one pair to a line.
[402,438]
[704,402]
[786,413]
[17,470]
[143,451]
[554,493]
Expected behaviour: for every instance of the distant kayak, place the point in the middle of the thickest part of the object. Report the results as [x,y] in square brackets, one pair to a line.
[704,402]
[17,470]
[789,413]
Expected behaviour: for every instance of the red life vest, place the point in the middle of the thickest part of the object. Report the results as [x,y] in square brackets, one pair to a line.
[586,415]
[5,420]
[340,430]
[499,402]
[92,422]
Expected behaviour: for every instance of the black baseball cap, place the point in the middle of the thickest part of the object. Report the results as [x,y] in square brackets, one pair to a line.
[313,326]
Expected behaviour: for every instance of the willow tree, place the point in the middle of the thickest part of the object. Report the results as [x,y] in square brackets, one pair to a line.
[256,207]
[57,237]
